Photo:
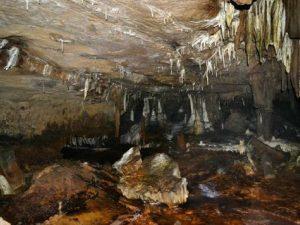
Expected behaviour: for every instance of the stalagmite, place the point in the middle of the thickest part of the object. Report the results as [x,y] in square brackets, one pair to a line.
[13,55]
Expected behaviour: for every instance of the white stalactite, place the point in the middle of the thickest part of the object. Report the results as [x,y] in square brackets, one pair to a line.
[146,108]
[171,66]
[205,119]
[3,43]
[27,4]
[132,115]
[159,108]
[125,102]
[182,75]
[86,88]
[192,118]
[13,56]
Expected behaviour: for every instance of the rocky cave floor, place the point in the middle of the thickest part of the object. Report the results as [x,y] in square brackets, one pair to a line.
[223,189]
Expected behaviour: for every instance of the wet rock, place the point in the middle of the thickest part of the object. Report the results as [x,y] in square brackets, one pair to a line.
[155,179]
[56,188]
[236,123]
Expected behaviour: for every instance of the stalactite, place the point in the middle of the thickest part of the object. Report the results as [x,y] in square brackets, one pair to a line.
[171,66]
[191,121]
[86,88]
[13,57]
[182,76]
[125,102]
[205,119]
[159,108]
[132,115]
[47,70]
[266,25]
[178,65]
[285,53]
[146,108]
[228,22]
[27,4]
[3,43]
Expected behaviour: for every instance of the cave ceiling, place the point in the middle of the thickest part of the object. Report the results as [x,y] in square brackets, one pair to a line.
[104,34]
[169,40]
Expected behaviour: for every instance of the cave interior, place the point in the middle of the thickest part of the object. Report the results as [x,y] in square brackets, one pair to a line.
[139,112]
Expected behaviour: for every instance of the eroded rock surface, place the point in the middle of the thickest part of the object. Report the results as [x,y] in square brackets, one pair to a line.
[155,179]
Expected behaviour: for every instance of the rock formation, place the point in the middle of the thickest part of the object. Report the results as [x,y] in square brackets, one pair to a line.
[155,179]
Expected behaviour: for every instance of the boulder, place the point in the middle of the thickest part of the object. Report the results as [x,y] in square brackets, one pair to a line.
[155,179]
[56,188]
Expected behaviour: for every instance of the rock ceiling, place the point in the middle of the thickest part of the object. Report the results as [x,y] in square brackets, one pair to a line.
[124,37]
[105,34]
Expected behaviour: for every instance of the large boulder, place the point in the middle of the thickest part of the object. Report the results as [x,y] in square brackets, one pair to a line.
[56,188]
[155,179]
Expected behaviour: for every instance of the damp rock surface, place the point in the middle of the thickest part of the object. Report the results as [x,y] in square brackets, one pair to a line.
[155,179]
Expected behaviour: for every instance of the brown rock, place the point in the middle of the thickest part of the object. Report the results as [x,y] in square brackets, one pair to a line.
[155,179]
[55,188]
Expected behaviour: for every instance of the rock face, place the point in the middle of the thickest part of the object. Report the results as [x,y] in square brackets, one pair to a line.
[155,179]
[32,104]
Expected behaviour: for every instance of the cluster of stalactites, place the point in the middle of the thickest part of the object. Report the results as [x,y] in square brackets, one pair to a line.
[220,43]
[266,26]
